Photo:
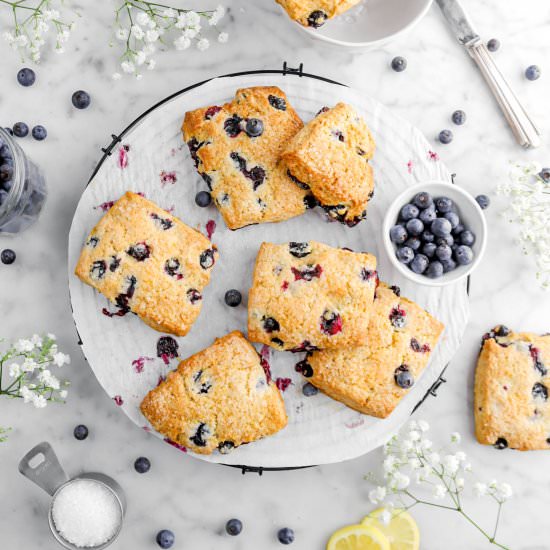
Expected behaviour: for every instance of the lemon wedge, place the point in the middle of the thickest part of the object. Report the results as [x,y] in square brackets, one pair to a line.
[358,537]
[401,532]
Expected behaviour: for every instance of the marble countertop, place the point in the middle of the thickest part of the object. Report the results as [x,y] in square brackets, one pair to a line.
[194,498]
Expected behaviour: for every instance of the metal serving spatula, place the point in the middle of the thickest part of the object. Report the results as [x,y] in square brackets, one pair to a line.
[525,131]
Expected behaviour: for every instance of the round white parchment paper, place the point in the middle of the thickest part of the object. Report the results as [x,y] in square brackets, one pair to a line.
[122,350]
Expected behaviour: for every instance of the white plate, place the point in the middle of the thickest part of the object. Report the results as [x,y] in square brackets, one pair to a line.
[320,430]
[371,23]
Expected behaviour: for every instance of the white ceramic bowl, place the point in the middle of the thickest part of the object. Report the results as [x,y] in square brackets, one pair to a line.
[371,23]
[470,214]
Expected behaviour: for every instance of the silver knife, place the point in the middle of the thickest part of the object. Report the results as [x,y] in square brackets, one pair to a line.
[525,131]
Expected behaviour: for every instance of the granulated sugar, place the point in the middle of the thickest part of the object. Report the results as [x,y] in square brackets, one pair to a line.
[86,513]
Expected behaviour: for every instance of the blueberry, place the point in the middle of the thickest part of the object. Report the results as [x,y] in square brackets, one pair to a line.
[234,527]
[309,390]
[39,132]
[80,432]
[9,131]
[493,45]
[453,218]
[435,270]
[413,242]
[483,201]
[165,538]
[316,19]
[254,127]
[464,255]
[458,229]
[8,255]
[447,239]
[444,204]
[81,99]
[423,200]
[544,175]
[405,254]
[6,173]
[26,77]
[441,227]
[428,215]
[419,263]
[277,102]
[20,129]
[429,249]
[532,72]
[203,199]
[408,212]
[233,298]
[285,535]
[415,227]
[398,235]
[403,377]
[459,117]
[445,136]
[142,465]
[467,238]
[398,64]
[540,391]
[427,237]
[501,443]
[443,252]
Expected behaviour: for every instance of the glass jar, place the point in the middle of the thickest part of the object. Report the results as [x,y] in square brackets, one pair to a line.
[23,196]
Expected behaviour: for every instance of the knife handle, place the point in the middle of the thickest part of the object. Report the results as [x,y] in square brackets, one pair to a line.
[525,131]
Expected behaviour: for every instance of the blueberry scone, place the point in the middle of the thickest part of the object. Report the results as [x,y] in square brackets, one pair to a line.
[146,261]
[218,398]
[330,156]
[511,390]
[236,149]
[374,377]
[314,13]
[308,295]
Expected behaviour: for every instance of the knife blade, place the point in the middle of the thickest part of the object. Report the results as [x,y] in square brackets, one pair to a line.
[458,21]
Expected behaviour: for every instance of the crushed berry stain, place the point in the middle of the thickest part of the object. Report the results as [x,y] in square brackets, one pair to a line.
[176,445]
[210,228]
[264,361]
[432,155]
[167,177]
[410,167]
[284,286]
[283,383]
[123,156]
[118,400]
[139,363]
[355,424]
[104,206]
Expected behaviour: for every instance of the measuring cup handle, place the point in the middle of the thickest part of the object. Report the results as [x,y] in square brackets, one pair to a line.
[48,473]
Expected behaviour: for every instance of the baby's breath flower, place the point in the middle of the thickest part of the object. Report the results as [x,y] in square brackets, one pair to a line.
[480,489]
[440,491]
[121,33]
[377,495]
[223,37]
[385,517]
[456,437]
[182,43]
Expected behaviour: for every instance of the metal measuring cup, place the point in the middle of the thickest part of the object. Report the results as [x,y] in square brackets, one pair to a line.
[50,476]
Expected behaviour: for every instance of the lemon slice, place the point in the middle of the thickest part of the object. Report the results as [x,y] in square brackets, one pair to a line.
[358,537]
[402,531]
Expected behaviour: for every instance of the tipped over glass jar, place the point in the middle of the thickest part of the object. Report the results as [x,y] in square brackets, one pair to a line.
[22,187]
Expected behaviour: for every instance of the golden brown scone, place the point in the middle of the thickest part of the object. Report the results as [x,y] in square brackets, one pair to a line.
[310,296]
[218,398]
[146,261]
[511,390]
[237,149]
[374,377]
[314,13]
[330,156]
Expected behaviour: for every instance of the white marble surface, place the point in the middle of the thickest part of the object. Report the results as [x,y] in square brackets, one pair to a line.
[194,498]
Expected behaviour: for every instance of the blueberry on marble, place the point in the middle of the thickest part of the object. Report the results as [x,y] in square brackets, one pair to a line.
[532,72]
[203,199]
[493,45]
[413,242]
[309,390]
[403,377]
[414,227]
[428,249]
[434,270]
[39,132]
[7,256]
[254,127]
[408,212]
[81,99]
[285,535]
[165,538]
[405,254]
[467,238]
[445,136]
[80,432]
[423,200]
[233,298]
[459,117]
[464,255]
[398,234]
[483,201]
[419,263]
[234,527]
[20,130]
[26,77]
[453,218]
[444,204]
[441,227]
[142,465]
[398,64]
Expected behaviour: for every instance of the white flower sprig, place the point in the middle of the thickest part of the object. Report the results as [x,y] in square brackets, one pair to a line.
[410,460]
[145,26]
[28,363]
[529,193]
[3,434]
[33,21]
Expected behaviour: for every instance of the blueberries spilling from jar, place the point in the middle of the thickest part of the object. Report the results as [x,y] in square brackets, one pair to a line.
[317,19]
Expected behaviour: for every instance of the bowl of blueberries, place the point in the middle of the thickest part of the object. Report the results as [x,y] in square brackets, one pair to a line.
[435,233]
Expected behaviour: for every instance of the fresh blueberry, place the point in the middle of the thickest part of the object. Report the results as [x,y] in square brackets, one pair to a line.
[428,215]
[493,45]
[532,72]
[403,377]
[459,117]
[483,201]
[26,77]
[39,132]
[142,465]
[464,255]
[443,252]
[435,270]
[233,298]
[8,255]
[444,204]
[405,254]
[203,199]
[6,173]
[20,129]
[415,227]
[448,265]
[429,249]
[413,242]
[445,136]
[447,239]
[441,227]
[453,218]
[423,200]
[419,263]
[254,127]
[544,175]
[458,229]
[285,535]
[80,432]
[398,235]
[165,538]
[398,64]
[6,185]
[427,237]
[408,212]
[234,527]
[81,99]
[467,238]
[309,390]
